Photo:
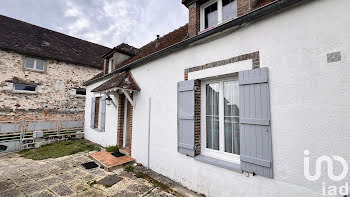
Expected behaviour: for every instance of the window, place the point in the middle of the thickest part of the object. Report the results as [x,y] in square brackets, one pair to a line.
[24,88]
[217,11]
[211,15]
[34,64]
[97,112]
[110,65]
[220,109]
[80,91]
[229,9]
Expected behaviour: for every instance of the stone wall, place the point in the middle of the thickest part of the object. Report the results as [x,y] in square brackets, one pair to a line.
[55,97]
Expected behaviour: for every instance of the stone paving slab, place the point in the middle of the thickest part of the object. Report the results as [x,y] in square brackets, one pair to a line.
[15,192]
[64,177]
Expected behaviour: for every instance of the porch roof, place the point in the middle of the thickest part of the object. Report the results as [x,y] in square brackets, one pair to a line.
[123,80]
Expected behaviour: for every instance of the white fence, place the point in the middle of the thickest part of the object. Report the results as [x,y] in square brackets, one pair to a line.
[14,134]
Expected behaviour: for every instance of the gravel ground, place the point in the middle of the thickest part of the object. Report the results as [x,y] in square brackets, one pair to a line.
[66,177]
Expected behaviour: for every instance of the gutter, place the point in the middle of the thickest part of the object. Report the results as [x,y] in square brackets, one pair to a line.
[249,17]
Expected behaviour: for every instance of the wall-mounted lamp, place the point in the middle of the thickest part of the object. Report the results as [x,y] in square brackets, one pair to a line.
[109,100]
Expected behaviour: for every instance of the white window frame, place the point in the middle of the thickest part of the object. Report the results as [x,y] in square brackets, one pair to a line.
[218,154]
[99,113]
[202,13]
[110,65]
[24,91]
[98,126]
[35,63]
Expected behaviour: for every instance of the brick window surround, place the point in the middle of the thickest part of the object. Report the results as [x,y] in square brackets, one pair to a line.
[243,7]
[120,132]
[97,111]
[255,57]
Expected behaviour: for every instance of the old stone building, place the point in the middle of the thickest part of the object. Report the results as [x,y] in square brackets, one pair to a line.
[42,72]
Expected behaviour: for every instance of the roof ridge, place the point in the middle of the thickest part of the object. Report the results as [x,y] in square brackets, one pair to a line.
[27,23]
[167,34]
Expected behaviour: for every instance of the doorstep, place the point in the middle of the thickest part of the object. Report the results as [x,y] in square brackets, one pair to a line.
[110,162]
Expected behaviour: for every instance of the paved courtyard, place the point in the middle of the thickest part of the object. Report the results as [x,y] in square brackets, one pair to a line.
[66,177]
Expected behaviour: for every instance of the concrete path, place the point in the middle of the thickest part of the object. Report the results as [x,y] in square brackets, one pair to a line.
[65,177]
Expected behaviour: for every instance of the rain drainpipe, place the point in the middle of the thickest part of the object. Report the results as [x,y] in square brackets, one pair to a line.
[149,131]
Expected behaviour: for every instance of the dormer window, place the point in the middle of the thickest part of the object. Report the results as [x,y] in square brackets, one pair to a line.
[211,15]
[110,65]
[215,12]
[229,9]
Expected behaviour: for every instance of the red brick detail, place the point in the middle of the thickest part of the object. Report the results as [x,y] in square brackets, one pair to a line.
[197,117]
[194,19]
[97,112]
[243,7]
[121,102]
[255,57]
[120,134]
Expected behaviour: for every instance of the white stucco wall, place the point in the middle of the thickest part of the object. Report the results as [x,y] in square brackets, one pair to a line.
[310,101]
[109,137]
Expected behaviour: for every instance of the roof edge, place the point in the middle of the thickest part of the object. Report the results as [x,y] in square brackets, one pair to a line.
[52,30]
[49,58]
[249,17]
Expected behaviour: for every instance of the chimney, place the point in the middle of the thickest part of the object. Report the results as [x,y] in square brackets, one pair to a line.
[157,41]
[194,19]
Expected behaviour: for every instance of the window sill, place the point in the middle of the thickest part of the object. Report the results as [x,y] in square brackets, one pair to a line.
[23,92]
[219,163]
[97,129]
[34,70]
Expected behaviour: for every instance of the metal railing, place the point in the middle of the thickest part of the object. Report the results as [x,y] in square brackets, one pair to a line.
[19,131]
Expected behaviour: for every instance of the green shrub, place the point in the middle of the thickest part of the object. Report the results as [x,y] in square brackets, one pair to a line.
[112,149]
[139,175]
[91,183]
[129,168]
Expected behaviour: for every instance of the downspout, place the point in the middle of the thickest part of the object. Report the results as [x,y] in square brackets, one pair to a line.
[149,131]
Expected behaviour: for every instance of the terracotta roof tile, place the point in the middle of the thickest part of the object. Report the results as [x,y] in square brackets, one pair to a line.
[261,3]
[122,80]
[122,48]
[172,38]
[33,40]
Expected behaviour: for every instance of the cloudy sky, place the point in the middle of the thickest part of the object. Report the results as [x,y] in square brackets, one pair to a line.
[106,22]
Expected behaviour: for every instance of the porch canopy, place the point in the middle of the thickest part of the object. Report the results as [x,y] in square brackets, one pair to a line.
[122,82]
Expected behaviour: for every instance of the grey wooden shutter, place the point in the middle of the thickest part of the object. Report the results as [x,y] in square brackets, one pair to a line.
[103,113]
[92,120]
[185,117]
[255,130]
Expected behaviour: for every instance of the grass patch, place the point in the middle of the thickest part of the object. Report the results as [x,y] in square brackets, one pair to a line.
[92,183]
[112,149]
[59,149]
[139,175]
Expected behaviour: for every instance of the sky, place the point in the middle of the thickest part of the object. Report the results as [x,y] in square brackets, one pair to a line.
[106,22]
